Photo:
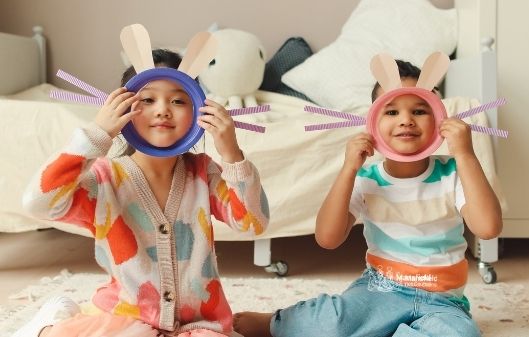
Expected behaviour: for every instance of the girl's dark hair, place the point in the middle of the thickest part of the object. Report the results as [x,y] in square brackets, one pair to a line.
[161,57]
[406,70]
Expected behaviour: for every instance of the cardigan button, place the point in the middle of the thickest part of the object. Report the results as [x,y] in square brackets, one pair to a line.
[163,229]
[168,296]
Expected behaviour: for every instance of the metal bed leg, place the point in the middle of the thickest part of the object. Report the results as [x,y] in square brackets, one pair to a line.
[262,257]
[488,253]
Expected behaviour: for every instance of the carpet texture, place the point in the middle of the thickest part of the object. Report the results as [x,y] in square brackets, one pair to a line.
[501,310]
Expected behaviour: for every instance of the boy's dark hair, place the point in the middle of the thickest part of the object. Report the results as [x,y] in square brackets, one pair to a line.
[161,57]
[406,70]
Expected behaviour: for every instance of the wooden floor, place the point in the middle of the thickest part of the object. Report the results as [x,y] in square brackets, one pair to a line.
[26,257]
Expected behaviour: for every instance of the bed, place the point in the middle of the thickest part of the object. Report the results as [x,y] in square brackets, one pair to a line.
[296,167]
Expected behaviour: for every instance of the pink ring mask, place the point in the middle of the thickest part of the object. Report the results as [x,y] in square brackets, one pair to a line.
[430,98]
[386,71]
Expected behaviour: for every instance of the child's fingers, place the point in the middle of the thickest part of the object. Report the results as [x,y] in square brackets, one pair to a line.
[453,128]
[363,136]
[114,94]
[218,122]
[214,108]
[118,98]
[206,126]
[124,119]
[212,111]
[363,142]
[361,148]
[367,149]
[115,104]
[214,104]
[126,104]
[210,119]
[453,122]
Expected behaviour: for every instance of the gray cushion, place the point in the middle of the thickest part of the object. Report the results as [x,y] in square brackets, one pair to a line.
[294,51]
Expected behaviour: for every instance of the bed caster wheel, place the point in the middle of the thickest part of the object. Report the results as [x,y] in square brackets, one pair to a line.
[279,267]
[489,277]
[487,272]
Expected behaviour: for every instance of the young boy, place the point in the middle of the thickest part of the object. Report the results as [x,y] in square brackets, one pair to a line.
[413,223]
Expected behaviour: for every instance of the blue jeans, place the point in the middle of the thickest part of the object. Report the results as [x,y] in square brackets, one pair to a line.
[374,306]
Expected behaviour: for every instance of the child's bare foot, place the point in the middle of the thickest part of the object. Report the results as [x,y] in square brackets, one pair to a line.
[252,324]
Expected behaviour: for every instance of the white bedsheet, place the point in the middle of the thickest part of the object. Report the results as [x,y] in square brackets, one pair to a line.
[33,127]
[297,168]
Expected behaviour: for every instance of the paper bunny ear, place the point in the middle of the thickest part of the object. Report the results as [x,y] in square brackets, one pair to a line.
[386,72]
[433,70]
[137,45]
[199,52]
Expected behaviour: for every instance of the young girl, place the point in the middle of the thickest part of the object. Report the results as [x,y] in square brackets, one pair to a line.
[411,211]
[150,216]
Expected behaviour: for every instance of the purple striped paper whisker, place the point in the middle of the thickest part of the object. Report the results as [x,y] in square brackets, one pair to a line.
[333,113]
[77,98]
[489,131]
[249,110]
[249,127]
[484,107]
[336,125]
[82,85]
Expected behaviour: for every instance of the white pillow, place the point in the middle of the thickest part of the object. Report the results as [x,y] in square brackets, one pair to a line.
[338,76]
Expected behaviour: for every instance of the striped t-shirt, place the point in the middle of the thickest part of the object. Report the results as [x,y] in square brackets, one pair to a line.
[412,226]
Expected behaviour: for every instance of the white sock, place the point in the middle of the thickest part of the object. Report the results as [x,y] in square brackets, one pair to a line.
[52,311]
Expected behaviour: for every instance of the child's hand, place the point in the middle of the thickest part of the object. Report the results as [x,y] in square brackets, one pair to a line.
[458,136]
[358,149]
[217,121]
[112,117]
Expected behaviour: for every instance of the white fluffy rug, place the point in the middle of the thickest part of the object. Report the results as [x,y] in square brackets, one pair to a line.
[501,310]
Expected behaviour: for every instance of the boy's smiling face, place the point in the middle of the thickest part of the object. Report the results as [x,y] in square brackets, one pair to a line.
[406,124]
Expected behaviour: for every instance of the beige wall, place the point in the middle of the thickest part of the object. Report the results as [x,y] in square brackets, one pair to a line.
[513,157]
[83,35]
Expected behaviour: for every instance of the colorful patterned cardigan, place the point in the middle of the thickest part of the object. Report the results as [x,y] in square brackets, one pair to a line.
[162,263]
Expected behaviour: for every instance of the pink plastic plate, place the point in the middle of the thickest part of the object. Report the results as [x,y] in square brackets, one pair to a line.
[439,112]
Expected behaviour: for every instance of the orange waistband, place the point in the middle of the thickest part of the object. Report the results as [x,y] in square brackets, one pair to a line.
[430,278]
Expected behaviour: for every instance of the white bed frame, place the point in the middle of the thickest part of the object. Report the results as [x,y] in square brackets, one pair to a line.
[472,74]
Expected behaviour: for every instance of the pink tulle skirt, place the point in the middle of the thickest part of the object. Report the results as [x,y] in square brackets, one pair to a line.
[108,325]
[100,325]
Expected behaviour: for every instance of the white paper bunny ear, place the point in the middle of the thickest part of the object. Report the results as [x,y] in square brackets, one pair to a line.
[386,72]
[137,45]
[433,70]
[199,52]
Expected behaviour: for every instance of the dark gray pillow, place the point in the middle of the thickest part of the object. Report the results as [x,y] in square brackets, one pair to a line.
[294,51]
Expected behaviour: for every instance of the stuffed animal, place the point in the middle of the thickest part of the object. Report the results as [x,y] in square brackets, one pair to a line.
[237,70]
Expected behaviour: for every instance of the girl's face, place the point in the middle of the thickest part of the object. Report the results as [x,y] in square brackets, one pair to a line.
[166,113]
[406,124]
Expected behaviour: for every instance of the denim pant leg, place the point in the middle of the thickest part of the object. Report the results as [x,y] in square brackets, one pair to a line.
[360,311]
[438,316]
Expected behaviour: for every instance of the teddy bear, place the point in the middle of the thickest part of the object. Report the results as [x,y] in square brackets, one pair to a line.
[237,71]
